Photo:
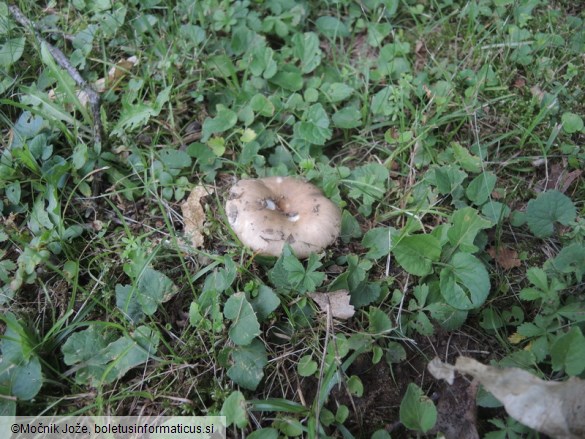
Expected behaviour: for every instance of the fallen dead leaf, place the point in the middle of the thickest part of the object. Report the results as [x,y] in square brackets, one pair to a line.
[553,408]
[194,215]
[505,257]
[337,302]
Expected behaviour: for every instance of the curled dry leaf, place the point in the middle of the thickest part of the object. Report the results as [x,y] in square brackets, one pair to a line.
[337,301]
[505,257]
[194,215]
[550,407]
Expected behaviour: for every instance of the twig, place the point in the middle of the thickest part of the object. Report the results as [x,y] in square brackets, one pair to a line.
[61,59]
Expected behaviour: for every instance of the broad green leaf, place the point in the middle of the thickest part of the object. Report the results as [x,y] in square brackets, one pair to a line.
[128,352]
[395,353]
[348,117]
[355,386]
[479,189]
[417,411]
[265,302]
[12,192]
[368,182]
[306,366]
[314,127]
[25,379]
[248,362]
[175,158]
[448,317]
[306,49]
[378,242]
[495,211]
[331,27]
[337,91]
[11,51]
[571,259]
[572,122]
[127,302]
[465,283]
[466,225]
[262,62]
[20,368]
[262,105]
[417,253]
[549,207]
[288,78]
[234,410]
[467,161]
[101,359]
[379,321]
[222,66]
[350,227]
[153,289]
[223,121]
[245,324]
[447,179]
[568,352]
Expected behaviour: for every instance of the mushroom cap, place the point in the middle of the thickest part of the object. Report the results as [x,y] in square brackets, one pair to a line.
[266,213]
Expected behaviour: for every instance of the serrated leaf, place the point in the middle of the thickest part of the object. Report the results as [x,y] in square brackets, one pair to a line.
[245,324]
[314,128]
[417,253]
[249,361]
[465,283]
[417,411]
[549,207]
[480,188]
[466,225]
[223,121]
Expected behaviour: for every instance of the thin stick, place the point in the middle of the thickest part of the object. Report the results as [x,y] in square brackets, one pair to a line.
[61,59]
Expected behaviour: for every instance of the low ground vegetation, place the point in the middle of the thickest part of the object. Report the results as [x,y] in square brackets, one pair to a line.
[450,134]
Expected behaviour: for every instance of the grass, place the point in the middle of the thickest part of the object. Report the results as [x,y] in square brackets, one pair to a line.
[446,131]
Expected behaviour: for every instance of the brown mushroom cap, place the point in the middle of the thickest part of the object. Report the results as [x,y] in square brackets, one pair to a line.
[266,213]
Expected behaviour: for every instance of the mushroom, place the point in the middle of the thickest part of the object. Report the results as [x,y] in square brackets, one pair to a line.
[268,212]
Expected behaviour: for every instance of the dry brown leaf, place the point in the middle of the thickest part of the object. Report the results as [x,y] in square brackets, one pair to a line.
[550,407]
[337,302]
[505,257]
[194,215]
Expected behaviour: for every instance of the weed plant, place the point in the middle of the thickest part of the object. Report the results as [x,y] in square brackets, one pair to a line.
[449,132]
